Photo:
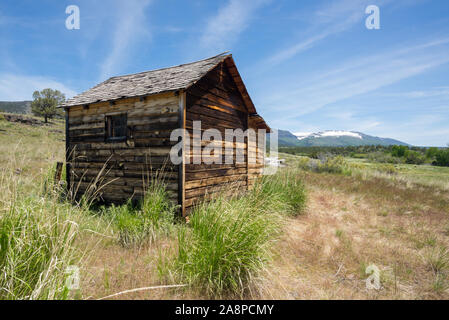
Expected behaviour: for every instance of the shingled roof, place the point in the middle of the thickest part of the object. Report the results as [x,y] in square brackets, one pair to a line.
[159,81]
[147,83]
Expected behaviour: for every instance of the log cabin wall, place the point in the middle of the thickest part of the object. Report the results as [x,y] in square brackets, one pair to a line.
[216,102]
[127,164]
[256,154]
[120,132]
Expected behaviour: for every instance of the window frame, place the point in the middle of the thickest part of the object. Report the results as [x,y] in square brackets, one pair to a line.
[110,130]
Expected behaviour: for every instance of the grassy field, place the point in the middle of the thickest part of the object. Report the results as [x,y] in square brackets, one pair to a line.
[364,215]
[409,173]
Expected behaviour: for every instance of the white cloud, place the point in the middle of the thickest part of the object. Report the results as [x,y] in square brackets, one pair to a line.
[232,19]
[417,94]
[21,87]
[419,130]
[356,77]
[129,27]
[333,18]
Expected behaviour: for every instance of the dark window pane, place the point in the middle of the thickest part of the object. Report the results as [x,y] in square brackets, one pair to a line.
[116,126]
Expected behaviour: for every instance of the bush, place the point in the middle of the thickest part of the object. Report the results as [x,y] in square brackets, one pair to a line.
[399,151]
[303,163]
[414,157]
[333,165]
[442,158]
[382,157]
[431,153]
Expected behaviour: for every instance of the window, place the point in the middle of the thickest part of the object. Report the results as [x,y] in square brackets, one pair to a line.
[116,127]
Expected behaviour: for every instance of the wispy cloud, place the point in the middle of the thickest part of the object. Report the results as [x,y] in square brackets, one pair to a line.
[21,87]
[224,28]
[418,94]
[419,130]
[357,76]
[331,19]
[129,27]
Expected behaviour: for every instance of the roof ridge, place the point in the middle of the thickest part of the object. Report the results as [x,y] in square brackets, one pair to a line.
[175,66]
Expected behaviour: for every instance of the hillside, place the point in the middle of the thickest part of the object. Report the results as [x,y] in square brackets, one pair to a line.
[333,138]
[15,106]
[286,139]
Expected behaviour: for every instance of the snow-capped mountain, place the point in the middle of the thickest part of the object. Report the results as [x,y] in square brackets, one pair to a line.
[333,138]
[329,133]
[339,138]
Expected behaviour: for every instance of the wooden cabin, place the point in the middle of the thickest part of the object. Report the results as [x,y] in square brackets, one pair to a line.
[120,130]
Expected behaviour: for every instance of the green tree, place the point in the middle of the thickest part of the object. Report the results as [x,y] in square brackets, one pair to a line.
[45,103]
[414,157]
[442,158]
[399,151]
[431,152]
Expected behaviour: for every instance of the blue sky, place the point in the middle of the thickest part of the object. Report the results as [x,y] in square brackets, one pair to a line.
[308,65]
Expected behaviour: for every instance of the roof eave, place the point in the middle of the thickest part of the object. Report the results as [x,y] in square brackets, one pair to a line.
[121,98]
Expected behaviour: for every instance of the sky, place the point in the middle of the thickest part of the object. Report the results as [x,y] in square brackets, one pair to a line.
[309,65]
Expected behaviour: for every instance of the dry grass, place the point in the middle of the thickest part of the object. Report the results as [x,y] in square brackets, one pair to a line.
[351,224]
[323,254]
[115,268]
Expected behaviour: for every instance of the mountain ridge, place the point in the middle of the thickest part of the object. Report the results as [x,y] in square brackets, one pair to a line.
[15,106]
[333,138]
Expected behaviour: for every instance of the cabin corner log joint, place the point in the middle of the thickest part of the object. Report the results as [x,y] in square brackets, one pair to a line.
[121,128]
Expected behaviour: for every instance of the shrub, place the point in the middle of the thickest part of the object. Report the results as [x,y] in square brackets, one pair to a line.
[414,157]
[442,158]
[334,165]
[431,152]
[304,163]
[382,157]
[399,151]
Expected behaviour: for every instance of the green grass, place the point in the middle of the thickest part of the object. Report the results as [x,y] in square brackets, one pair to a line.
[419,174]
[153,217]
[226,244]
[37,234]
[287,189]
[229,241]
[425,175]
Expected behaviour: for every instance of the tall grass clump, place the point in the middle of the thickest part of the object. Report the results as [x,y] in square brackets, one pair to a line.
[36,242]
[226,243]
[285,190]
[152,217]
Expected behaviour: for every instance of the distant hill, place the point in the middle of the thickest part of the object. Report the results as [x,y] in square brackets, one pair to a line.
[333,138]
[287,139]
[15,106]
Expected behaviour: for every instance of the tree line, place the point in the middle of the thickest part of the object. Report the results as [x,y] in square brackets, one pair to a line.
[376,153]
